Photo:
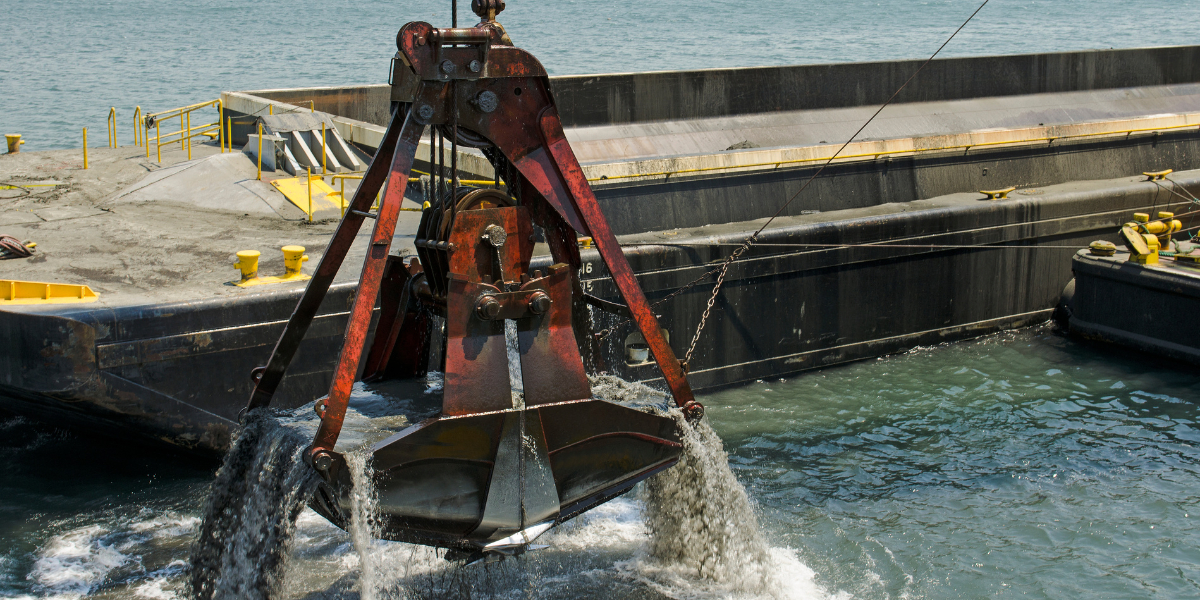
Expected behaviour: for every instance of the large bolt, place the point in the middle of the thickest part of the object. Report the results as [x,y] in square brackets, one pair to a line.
[425,111]
[321,461]
[447,67]
[487,308]
[487,101]
[539,303]
[495,235]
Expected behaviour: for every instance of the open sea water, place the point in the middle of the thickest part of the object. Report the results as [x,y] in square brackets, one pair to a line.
[1020,465]
[65,62]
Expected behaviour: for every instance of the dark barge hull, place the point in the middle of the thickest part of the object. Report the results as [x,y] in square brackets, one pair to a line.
[179,372]
[1148,308]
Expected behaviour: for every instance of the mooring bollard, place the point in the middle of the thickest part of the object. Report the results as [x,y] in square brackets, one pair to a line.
[14,142]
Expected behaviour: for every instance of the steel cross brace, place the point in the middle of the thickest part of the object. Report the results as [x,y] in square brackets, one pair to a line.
[501,93]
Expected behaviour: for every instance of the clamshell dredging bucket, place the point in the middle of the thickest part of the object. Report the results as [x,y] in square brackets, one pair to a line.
[493,482]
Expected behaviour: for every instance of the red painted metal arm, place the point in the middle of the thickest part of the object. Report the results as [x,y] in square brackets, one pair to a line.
[331,261]
[565,181]
[368,288]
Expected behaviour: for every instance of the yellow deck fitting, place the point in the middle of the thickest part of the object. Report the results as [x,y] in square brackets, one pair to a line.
[1164,226]
[38,292]
[296,190]
[1143,248]
[1157,175]
[293,259]
[1102,248]
[585,242]
[14,142]
[247,263]
[997,194]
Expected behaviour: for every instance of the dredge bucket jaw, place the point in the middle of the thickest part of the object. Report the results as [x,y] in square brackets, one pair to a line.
[494,482]
[505,460]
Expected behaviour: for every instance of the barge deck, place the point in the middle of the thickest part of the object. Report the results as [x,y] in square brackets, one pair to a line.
[891,247]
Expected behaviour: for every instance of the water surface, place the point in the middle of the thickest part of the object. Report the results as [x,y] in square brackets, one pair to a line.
[1017,465]
[66,62]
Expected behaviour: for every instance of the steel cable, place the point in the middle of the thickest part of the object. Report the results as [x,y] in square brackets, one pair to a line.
[724,268]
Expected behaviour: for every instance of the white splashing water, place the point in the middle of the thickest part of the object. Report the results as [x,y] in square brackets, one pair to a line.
[250,516]
[693,533]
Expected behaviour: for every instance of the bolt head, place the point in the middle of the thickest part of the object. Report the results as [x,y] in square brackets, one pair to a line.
[447,67]
[475,67]
[487,101]
[487,308]
[539,304]
[495,235]
[425,111]
[322,461]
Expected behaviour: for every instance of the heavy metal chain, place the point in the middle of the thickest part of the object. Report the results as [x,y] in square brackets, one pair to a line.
[687,358]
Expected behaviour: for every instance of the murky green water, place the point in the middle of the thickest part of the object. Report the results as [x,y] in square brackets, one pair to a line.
[1017,465]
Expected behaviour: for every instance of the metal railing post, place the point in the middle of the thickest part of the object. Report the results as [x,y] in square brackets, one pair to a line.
[324,151]
[310,210]
[158,140]
[189,134]
[85,163]
[260,151]
[220,125]
[138,140]
[112,127]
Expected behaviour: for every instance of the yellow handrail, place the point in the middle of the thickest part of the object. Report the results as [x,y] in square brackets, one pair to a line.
[879,153]
[112,127]
[137,124]
[221,120]
[308,170]
[186,132]
[344,177]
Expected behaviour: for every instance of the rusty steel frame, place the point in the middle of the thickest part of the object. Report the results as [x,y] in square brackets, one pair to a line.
[471,79]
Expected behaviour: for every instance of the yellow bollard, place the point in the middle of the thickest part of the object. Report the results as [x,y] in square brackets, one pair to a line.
[229,130]
[247,263]
[293,259]
[189,134]
[260,152]
[85,165]
[14,142]
[310,211]
[324,151]
[270,109]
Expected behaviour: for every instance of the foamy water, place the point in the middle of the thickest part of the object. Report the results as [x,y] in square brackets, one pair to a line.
[691,533]
[1020,465]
